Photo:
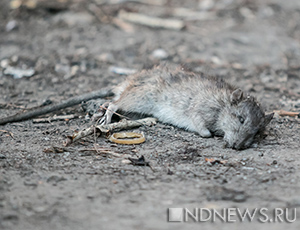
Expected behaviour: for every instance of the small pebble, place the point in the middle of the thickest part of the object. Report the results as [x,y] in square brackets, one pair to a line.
[240,198]
[15,59]
[106,57]
[4,63]
[206,5]
[160,54]
[11,25]
[62,69]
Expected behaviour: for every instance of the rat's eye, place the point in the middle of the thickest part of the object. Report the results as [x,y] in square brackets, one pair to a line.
[241,119]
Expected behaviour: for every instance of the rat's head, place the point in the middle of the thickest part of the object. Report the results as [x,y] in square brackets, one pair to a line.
[242,119]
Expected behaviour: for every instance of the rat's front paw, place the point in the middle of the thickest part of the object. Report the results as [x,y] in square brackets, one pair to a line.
[105,120]
[102,110]
[205,133]
[109,108]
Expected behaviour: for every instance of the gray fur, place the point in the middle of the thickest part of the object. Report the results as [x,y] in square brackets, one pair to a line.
[195,102]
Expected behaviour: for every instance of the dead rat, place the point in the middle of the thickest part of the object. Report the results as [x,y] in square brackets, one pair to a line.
[196,102]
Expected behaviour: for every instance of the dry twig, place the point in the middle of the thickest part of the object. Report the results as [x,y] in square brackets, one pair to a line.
[51,108]
[124,124]
[103,17]
[287,113]
[100,150]
[154,22]
[54,118]
[9,133]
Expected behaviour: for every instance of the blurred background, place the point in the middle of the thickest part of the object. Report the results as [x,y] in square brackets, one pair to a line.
[86,43]
[51,50]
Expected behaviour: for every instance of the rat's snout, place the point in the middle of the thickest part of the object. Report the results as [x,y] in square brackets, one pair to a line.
[237,142]
[238,146]
[243,143]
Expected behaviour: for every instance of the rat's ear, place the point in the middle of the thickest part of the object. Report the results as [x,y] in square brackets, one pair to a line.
[236,96]
[268,118]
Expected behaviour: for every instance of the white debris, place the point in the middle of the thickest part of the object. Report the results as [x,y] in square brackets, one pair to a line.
[160,54]
[4,63]
[121,70]
[206,5]
[11,25]
[106,57]
[18,73]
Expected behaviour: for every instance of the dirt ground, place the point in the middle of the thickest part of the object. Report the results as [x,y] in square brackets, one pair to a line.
[72,48]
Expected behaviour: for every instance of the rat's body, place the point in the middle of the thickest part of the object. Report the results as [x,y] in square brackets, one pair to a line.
[191,101]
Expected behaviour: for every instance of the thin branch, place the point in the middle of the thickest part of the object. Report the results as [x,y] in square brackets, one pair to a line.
[154,22]
[54,118]
[51,108]
[287,113]
[124,124]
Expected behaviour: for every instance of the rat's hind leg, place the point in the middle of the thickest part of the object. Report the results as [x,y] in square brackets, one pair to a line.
[110,110]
